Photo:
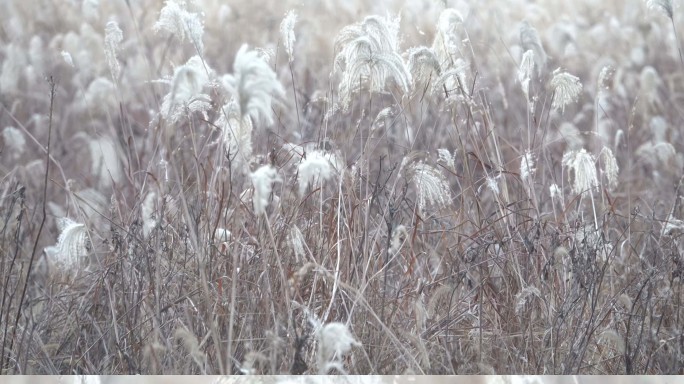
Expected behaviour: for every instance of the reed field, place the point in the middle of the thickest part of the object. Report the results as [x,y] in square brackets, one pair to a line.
[401,187]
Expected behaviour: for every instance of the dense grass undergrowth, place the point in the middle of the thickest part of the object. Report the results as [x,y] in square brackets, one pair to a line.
[419,187]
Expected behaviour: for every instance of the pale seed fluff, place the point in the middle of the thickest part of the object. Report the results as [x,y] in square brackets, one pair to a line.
[582,164]
[610,167]
[297,242]
[399,236]
[71,244]
[175,19]
[368,58]
[431,185]
[446,44]
[98,98]
[605,78]
[530,41]
[493,185]
[14,140]
[316,167]
[555,191]
[236,137]
[186,95]
[447,158]
[112,40]
[253,85]
[262,180]
[527,165]
[334,341]
[664,6]
[14,63]
[149,215]
[673,225]
[566,88]
[453,80]
[525,72]
[106,163]
[424,66]
[66,56]
[287,33]
[222,235]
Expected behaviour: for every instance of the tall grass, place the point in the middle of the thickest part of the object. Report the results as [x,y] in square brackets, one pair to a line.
[447,188]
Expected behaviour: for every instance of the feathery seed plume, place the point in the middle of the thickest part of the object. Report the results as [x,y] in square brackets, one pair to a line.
[66,56]
[529,40]
[447,158]
[253,85]
[423,66]
[263,179]
[431,185]
[492,184]
[399,236]
[581,163]
[525,73]
[610,167]
[566,89]
[112,40]
[334,341]
[287,33]
[527,165]
[71,245]
[446,44]
[237,136]
[14,140]
[186,95]
[175,19]
[367,51]
[317,166]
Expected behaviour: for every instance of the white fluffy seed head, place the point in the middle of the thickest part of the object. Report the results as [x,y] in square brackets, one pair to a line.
[492,184]
[297,242]
[527,165]
[236,137]
[566,88]
[253,85]
[399,236]
[71,245]
[106,163]
[446,44]
[66,56]
[447,158]
[368,58]
[431,186]
[423,66]
[334,341]
[316,167]
[14,140]
[530,41]
[149,215]
[582,164]
[112,40]
[287,33]
[186,94]
[262,180]
[610,167]
[175,19]
[525,72]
